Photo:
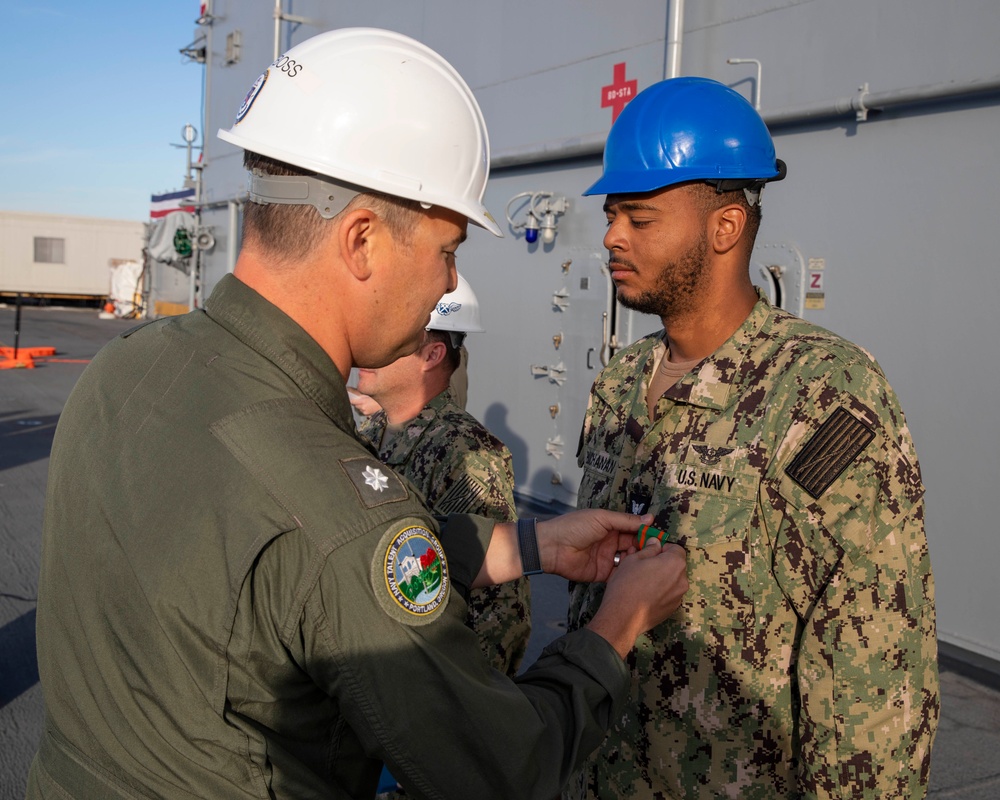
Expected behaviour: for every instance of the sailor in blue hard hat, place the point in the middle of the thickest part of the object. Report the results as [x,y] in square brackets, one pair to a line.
[777,453]
[681,149]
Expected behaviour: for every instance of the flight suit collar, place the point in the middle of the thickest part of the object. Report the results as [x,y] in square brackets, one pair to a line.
[267,330]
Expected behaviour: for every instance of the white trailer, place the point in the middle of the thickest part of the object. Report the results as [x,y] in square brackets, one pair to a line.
[62,257]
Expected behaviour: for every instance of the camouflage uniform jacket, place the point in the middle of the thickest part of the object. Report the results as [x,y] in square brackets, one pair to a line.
[802,662]
[459,466]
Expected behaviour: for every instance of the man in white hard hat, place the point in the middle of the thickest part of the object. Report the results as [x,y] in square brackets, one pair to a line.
[241,600]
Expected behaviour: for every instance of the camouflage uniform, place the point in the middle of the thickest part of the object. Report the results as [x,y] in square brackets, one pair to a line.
[459,466]
[802,662]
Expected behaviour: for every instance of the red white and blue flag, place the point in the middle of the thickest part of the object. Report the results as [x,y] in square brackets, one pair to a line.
[163,204]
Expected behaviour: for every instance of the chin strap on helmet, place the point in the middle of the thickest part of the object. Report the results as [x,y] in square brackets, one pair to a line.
[328,197]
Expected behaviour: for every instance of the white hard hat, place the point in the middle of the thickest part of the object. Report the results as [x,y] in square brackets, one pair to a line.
[375,109]
[457,311]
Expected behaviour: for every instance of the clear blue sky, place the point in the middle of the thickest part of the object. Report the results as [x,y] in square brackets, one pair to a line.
[95,93]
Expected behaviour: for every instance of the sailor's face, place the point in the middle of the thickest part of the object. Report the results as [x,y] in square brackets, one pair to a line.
[657,247]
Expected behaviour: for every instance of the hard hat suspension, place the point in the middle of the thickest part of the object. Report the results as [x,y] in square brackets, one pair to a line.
[753,189]
[328,197]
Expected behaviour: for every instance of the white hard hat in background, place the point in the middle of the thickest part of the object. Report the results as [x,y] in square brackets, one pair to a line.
[457,311]
[376,109]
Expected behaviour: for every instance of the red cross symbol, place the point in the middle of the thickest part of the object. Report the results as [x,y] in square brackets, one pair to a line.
[618,93]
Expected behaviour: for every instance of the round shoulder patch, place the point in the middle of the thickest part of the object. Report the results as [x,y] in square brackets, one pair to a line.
[251,96]
[410,573]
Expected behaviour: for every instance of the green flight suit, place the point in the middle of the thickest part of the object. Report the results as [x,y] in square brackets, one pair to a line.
[238,600]
[460,467]
[802,662]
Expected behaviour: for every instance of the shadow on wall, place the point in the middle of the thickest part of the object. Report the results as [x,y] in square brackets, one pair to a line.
[534,488]
[495,419]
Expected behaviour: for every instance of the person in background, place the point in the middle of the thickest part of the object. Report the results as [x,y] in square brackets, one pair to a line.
[455,462]
[803,661]
[458,383]
[241,601]
[420,430]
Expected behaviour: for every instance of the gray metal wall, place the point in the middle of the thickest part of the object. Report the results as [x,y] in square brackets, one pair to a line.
[897,207]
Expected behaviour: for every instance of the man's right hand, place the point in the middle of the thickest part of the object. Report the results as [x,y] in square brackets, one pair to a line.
[645,589]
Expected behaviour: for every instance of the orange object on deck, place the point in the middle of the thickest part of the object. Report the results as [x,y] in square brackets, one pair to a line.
[25,356]
[27,352]
[21,362]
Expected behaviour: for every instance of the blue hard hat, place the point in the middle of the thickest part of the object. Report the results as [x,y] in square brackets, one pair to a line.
[686,129]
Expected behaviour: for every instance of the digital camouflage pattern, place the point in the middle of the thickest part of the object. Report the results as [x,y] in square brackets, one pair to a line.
[803,660]
[460,467]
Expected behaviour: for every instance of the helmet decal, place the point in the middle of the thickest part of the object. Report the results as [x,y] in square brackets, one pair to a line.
[444,309]
[457,311]
[251,96]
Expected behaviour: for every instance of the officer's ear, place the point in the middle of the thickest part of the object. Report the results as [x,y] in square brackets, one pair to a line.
[725,227]
[432,354]
[359,237]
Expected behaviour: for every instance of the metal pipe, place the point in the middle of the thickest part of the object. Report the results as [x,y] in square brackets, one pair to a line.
[193,282]
[277,29]
[863,101]
[17,324]
[207,107]
[219,203]
[280,15]
[574,147]
[593,144]
[675,39]
[234,206]
[756,102]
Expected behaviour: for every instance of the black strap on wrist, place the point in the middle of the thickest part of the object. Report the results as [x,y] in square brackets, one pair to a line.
[527,543]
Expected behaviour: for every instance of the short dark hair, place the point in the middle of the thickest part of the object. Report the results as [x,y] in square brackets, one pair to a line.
[711,199]
[293,231]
